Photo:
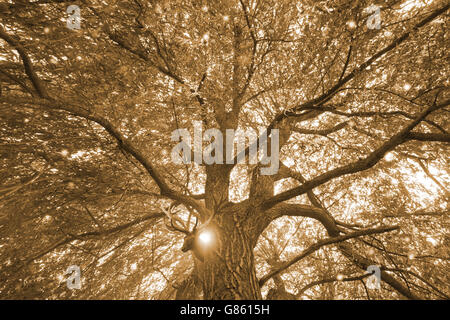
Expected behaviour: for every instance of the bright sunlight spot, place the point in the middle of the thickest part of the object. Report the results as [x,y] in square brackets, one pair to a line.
[205,237]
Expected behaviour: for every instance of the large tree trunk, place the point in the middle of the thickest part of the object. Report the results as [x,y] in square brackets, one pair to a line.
[229,272]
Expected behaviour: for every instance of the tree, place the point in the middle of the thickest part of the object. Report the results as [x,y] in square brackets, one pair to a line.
[87,117]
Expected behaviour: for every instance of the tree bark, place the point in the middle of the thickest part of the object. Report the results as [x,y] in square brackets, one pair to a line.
[228,271]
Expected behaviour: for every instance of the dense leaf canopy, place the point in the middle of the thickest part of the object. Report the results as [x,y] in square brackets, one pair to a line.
[86,117]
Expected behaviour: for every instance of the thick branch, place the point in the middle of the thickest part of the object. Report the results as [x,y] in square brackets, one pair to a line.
[360,165]
[105,232]
[324,217]
[29,70]
[123,143]
[440,137]
[368,62]
[143,55]
[321,132]
[300,210]
[330,93]
[322,243]
[328,280]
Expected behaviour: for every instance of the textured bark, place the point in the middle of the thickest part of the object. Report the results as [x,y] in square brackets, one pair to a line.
[190,288]
[226,269]
[229,272]
[217,186]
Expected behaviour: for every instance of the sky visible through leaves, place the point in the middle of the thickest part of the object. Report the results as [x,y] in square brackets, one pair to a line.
[86,157]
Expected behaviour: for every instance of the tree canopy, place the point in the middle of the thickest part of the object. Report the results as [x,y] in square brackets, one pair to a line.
[86,117]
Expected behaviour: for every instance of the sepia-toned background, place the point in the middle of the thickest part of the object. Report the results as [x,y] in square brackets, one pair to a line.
[353,95]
